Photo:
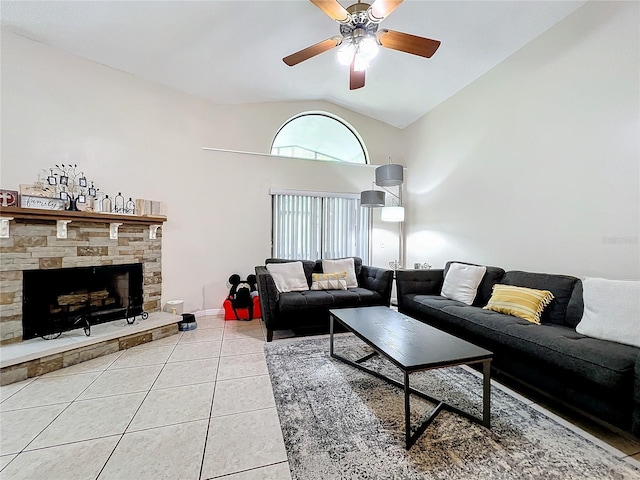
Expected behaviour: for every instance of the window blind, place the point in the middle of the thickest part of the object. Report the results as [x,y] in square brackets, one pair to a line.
[314,227]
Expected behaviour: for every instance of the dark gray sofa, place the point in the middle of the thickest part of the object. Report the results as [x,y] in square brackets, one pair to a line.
[310,309]
[596,377]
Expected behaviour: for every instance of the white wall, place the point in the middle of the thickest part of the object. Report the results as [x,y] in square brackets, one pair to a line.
[536,165]
[145,140]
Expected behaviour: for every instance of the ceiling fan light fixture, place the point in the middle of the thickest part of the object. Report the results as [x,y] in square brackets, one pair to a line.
[360,63]
[346,53]
[358,49]
[369,47]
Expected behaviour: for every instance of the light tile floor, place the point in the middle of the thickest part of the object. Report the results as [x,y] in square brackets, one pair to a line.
[196,405]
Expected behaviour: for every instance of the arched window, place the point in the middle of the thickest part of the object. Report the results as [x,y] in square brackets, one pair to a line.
[319,136]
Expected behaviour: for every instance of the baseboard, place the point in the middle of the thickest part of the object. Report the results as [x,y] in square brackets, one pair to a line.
[209,312]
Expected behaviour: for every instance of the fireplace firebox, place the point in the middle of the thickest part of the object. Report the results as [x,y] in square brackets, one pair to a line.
[66,298]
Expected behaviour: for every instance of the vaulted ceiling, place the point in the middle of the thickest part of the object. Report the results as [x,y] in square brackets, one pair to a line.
[231,51]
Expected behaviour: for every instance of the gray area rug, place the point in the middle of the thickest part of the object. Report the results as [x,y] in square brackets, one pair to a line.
[341,423]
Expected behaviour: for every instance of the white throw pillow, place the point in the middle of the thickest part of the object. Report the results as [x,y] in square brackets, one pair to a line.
[611,310]
[289,277]
[342,265]
[461,282]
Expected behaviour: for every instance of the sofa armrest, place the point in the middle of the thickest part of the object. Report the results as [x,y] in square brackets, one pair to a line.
[635,416]
[269,296]
[425,282]
[377,279]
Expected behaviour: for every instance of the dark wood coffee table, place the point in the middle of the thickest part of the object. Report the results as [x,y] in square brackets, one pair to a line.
[412,346]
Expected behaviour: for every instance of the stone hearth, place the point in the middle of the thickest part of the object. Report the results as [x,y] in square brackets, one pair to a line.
[37,356]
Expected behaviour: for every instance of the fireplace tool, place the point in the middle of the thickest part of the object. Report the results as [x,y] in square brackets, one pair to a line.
[134,308]
[62,325]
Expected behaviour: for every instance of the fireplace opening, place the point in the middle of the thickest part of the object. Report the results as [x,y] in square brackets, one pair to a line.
[52,299]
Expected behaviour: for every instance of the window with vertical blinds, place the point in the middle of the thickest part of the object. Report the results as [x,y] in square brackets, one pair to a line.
[315,226]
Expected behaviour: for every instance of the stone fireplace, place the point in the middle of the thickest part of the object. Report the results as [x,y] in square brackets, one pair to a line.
[33,243]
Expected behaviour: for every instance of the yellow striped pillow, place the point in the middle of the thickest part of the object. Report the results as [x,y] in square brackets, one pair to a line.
[526,303]
[329,281]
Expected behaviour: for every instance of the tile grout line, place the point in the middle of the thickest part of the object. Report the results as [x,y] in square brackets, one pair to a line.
[146,429]
[213,399]
[246,411]
[215,386]
[135,413]
[48,424]
[64,409]
[224,475]
[29,382]
[252,375]
[69,443]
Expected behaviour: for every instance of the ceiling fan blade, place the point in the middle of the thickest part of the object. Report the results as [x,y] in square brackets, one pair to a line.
[312,51]
[333,9]
[382,8]
[405,42]
[356,77]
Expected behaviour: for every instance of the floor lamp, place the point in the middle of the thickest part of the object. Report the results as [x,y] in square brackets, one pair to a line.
[390,175]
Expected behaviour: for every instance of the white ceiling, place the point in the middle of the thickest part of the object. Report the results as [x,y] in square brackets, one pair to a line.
[231,51]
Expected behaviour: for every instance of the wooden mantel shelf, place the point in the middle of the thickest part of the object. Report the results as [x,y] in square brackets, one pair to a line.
[37,214]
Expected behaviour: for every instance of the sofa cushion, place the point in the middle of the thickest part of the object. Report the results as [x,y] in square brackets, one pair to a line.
[521,302]
[560,285]
[305,300]
[367,297]
[329,281]
[307,266]
[575,308]
[342,265]
[611,310]
[357,264]
[431,306]
[461,282]
[492,276]
[325,299]
[288,277]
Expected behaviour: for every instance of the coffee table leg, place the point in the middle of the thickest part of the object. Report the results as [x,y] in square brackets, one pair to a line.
[331,335]
[486,393]
[407,411]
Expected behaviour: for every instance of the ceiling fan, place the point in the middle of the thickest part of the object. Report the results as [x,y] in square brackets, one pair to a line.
[360,37]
